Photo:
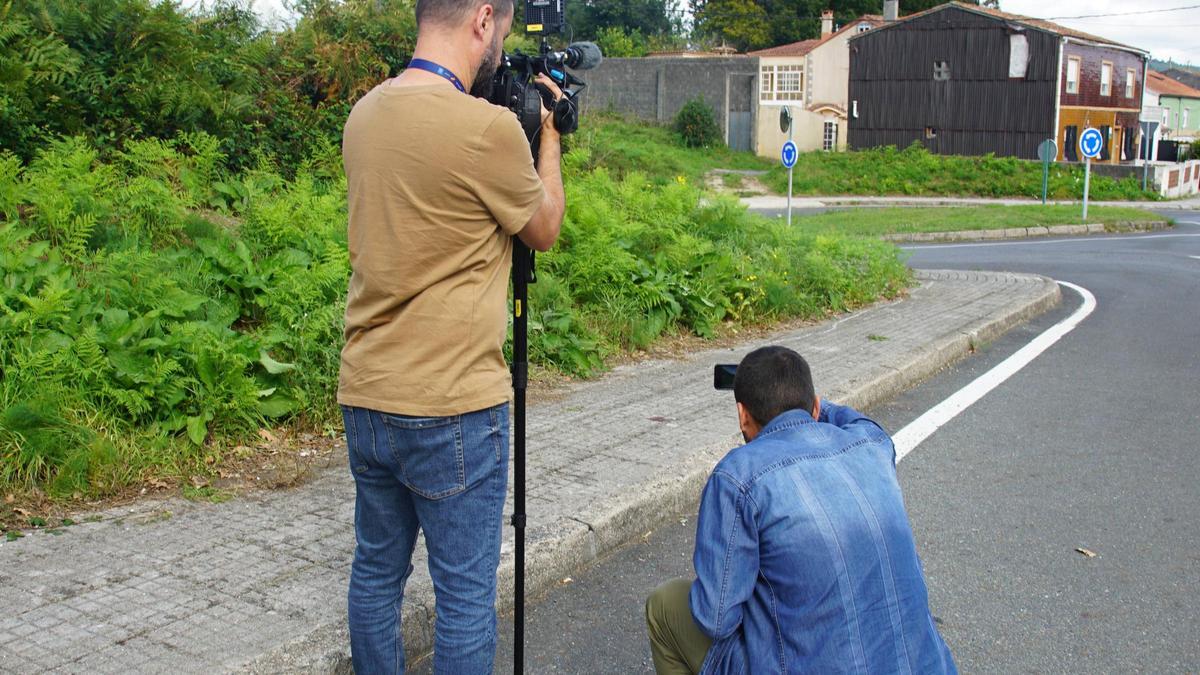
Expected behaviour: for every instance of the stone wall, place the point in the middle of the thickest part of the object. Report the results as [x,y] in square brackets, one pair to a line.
[655,88]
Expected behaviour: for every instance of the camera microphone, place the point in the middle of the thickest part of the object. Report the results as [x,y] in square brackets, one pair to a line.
[578,56]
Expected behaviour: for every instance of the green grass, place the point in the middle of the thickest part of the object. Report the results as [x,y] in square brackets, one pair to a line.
[873,222]
[622,146]
[915,171]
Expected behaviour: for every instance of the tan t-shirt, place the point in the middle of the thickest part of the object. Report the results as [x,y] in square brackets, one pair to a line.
[438,183]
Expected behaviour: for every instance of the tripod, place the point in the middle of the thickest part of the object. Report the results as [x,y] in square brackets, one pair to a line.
[523,275]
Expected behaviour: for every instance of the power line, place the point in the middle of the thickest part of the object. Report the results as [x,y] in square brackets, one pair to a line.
[1149,11]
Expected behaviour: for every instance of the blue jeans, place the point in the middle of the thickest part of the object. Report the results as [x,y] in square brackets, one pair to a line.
[448,477]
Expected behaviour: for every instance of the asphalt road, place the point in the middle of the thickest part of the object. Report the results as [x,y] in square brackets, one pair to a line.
[1092,446]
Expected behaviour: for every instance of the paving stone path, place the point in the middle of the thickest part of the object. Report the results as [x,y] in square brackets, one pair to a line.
[258,584]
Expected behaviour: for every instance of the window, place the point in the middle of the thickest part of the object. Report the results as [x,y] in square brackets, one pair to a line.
[941,71]
[864,27]
[830,141]
[1183,121]
[1071,144]
[1129,79]
[1167,118]
[767,81]
[782,83]
[1018,55]
[1072,76]
[1106,79]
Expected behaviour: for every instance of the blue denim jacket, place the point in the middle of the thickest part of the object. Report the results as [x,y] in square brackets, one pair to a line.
[805,560]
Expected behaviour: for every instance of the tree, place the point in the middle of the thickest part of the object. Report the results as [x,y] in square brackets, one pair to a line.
[646,17]
[751,24]
[744,24]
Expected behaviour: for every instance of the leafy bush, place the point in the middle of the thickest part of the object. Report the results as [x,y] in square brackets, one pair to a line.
[121,70]
[614,42]
[173,245]
[697,125]
[158,309]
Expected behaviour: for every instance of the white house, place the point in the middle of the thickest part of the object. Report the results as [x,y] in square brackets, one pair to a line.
[810,77]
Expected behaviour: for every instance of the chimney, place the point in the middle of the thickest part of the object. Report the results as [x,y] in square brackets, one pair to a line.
[891,10]
[826,23]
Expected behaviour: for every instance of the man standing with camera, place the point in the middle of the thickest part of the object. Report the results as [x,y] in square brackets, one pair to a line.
[439,182]
[805,561]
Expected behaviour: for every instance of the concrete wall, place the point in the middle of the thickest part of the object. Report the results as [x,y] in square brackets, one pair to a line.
[655,88]
[1177,180]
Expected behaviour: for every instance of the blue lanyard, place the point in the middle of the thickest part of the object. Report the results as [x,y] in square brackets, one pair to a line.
[430,66]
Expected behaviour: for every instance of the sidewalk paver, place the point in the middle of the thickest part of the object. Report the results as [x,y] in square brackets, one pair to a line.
[258,584]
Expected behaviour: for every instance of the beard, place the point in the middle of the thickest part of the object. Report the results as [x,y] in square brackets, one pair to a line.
[485,77]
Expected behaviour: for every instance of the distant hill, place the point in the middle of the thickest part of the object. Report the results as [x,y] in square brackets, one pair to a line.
[1185,73]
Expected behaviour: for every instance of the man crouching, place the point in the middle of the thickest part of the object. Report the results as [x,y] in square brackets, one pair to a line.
[805,561]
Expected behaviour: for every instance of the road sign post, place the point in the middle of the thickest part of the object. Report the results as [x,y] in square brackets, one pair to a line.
[1091,143]
[789,154]
[1047,152]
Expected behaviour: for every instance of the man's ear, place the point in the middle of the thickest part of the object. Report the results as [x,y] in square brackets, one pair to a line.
[485,17]
[747,423]
[816,411]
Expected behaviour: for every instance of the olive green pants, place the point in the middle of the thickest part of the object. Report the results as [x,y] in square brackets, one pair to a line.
[676,642]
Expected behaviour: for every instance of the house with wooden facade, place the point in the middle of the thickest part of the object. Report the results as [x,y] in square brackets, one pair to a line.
[808,77]
[969,80]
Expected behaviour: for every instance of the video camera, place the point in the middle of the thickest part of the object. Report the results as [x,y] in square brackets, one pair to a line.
[514,87]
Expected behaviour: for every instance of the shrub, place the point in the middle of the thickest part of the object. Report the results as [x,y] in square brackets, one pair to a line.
[697,125]
[141,334]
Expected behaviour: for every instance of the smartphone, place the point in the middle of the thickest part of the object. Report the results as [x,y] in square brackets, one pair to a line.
[723,375]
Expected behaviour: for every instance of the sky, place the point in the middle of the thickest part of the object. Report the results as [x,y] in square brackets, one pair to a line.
[1166,35]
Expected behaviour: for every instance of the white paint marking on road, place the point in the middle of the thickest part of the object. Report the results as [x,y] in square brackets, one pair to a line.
[1197,257]
[1035,242]
[912,435]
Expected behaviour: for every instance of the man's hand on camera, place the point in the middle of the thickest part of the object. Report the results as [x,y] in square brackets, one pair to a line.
[543,80]
[543,228]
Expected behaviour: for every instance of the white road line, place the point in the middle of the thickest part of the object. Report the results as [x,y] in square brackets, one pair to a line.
[1035,242]
[908,438]
[1197,257]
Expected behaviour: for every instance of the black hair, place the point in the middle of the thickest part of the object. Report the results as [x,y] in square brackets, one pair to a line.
[771,381]
[450,12]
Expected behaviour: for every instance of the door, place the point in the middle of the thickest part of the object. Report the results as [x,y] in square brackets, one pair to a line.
[739,111]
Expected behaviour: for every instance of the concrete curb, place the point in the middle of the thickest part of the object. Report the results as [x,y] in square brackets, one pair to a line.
[1026,232]
[325,650]
[775,202]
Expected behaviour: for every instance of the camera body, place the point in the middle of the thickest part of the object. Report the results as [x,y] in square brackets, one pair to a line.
[514,87]
[724,375]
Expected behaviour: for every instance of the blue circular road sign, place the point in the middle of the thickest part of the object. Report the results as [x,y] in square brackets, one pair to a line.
[1091,142]
[789,155]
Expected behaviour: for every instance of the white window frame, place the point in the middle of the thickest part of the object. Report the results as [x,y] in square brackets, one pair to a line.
[1183,121]
[829,140]
[782,83]
[1167,118]
[1106,71]
[863,27]
[766,82]
[1130,77]
[1073,85]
